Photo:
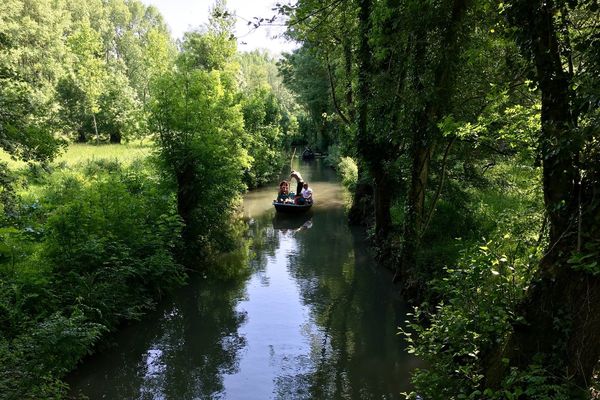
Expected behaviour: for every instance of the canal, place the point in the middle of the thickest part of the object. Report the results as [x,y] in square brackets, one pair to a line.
[314,319]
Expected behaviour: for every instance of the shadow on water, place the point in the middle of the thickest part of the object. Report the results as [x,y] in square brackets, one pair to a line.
[316,319]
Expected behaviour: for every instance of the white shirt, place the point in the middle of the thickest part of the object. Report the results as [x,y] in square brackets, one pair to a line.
[307,193]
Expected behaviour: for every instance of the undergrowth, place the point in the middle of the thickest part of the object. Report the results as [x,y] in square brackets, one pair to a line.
[90,248]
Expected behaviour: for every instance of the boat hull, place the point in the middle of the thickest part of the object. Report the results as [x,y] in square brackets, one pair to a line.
[292,208]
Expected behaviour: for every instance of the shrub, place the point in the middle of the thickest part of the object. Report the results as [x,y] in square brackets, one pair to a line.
[480,295]
[349,172]
[111,245]
[96,250]
[334,156]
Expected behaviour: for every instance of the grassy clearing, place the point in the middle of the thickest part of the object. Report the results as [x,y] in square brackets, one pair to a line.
[125,153]
[77,153]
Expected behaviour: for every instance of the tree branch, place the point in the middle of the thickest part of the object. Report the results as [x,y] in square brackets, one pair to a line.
[439,189]
[334,98]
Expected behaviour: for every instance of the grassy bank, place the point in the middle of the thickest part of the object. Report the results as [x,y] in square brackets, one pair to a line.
[79,153]
[89,243]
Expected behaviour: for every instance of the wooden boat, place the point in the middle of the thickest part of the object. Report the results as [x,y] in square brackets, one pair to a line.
[292,208]
[308,154]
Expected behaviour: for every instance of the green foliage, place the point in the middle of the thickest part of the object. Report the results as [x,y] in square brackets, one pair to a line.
[62,64]
[88,72]
[334,156]
[305,76]
[262,116]
[32,361]
[270,118]
[349,171]
[97,248]
[213,47]
[112,236]
[26,115]
[480,295]
[480,291]
[121,115]
[202,149]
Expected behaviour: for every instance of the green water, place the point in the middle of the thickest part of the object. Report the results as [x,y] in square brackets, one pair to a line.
[316,319]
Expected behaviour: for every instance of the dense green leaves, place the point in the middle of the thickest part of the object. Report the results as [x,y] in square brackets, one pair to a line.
[446,95]
[96,249]
[60,62]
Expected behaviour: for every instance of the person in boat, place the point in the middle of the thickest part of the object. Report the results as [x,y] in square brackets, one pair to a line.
[299,185]
[283,196]
[306,194]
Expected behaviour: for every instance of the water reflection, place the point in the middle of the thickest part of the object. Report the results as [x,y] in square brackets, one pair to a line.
[181,352]
[314,320]
[292,222]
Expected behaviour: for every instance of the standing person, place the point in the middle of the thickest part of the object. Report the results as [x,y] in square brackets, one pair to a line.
[300,183]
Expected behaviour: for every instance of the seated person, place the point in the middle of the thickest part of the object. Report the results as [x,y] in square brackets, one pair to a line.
[306,195]
[283,196]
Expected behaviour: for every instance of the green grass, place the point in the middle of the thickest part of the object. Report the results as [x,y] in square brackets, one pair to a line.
[125,153]
[77,153]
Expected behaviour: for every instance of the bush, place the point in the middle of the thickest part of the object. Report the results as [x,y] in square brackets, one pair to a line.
[349,172]
[480,296]
[33,362]
[115,235]
[334,156]
[98,249]
[478,291]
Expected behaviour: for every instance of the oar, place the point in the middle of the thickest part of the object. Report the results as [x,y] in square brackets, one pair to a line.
[292,159]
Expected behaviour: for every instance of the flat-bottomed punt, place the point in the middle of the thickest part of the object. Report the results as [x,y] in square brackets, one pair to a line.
[292,208]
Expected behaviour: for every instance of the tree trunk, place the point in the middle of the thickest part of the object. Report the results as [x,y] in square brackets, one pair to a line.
[348,71]
[186,200]
[425,131]
[415,208]
[383,202]
[361,212]
[95,126]
[562,309]
[81,138]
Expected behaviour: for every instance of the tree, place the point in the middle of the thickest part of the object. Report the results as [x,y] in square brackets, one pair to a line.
[30,48]
[304,75]
[121,114]
[435,44]
[200,138]
[27,75]
[89,73]
[262,117]
[561,313]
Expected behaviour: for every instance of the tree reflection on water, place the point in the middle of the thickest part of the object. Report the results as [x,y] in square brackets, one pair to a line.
[313,319]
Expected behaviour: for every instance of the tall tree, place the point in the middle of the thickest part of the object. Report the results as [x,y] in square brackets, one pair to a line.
[31,49]
[435,48]
[560,322]
[200,135]
[89,71]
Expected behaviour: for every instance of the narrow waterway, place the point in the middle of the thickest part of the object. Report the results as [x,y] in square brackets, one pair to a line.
[316,319]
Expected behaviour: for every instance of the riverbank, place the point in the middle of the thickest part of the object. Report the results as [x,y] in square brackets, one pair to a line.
[87,243]
[84,249]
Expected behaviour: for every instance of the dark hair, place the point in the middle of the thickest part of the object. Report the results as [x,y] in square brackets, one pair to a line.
[283,183]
